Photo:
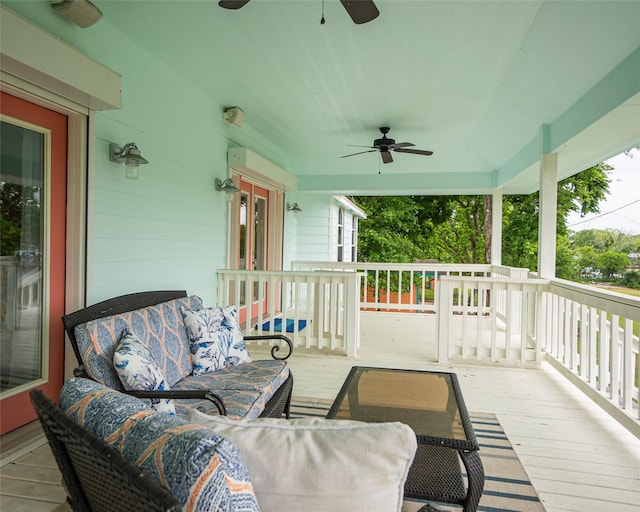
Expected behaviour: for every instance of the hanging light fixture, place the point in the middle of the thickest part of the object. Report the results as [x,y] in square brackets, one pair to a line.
[129,154]
[294,207]
[81,12]
[227,186]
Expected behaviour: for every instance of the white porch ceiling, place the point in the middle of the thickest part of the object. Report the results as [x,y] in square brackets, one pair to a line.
[476,82]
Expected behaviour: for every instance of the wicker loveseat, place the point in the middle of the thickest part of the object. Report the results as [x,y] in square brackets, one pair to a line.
[249,390]
[116,454]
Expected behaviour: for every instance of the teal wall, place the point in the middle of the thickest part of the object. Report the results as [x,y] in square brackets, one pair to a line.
[167,229]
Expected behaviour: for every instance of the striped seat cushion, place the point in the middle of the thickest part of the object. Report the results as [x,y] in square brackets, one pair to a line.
[245,389]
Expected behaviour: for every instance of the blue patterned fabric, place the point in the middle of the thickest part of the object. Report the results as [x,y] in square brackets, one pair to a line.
[202,470]
[138,371]
[216,339]
[160,328]
[245,389]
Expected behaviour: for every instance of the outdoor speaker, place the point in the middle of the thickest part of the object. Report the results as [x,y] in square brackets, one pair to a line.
[234,115]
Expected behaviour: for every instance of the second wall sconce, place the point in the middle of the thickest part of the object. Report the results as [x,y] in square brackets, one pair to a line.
[294,207]
[227,186]
[129,154]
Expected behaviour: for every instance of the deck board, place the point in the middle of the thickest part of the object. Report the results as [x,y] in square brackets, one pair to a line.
[577,457]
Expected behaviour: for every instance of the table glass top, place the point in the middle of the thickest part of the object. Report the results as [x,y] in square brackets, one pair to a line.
[426,401]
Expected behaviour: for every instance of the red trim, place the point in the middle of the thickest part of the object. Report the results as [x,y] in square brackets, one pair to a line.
[15,411]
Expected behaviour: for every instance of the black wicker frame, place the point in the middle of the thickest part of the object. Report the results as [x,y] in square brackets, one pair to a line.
[278,404]
[97,478]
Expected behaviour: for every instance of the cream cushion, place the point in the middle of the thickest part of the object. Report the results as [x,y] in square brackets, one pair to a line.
[319,465]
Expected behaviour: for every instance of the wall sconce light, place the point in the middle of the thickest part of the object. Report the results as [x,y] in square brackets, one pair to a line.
[227,186]
[234,115]
[128,155]
[81,12]
[294,207]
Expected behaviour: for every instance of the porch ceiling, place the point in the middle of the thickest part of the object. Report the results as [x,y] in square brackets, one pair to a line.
[474,81]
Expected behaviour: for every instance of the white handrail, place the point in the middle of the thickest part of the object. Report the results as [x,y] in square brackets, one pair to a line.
[315,309]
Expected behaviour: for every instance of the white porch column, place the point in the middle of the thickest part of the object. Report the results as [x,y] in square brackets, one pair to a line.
[496,227]
[548,215]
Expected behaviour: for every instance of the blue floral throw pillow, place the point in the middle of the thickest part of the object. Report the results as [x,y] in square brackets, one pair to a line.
[138,371]
[216,339]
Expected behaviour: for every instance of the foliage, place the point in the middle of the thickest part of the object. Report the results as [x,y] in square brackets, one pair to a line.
[20,215]
[631,280]
[399,229]
[602,240]
[10,239]
[579,193]
[461,238]
[455,229]
[612,262]
[566,264]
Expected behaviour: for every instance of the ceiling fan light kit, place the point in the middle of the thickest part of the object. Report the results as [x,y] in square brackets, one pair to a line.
[385,145]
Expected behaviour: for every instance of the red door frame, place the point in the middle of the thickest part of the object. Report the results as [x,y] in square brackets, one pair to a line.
[16,410]
[253,190]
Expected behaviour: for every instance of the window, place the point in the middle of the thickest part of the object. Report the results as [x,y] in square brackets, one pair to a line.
[340,234]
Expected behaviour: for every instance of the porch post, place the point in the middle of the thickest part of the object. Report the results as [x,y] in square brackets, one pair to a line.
[496,227]
[547,216]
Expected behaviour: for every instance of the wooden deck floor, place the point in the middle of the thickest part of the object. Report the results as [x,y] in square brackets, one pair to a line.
[577,457]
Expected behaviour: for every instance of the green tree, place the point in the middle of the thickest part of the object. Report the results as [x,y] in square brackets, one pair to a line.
[612,262]
[566,264]
[462,237]
[455,229]
[603,240]
[582,193]
[391,231]
[587,259]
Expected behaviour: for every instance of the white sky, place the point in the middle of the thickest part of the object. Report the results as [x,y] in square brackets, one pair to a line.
[623,197]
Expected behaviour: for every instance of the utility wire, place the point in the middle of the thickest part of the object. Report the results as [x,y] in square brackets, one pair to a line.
[603,214]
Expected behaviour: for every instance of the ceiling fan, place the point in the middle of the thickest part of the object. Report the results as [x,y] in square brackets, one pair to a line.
[361,11]
[385,145]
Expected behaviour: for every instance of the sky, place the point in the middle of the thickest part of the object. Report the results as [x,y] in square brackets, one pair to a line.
[621,209]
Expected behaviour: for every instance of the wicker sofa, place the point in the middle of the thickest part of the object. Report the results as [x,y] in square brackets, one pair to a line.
[250,390]
[116,453]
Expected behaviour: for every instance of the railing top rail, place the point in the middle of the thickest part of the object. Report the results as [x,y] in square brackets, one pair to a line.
[445,267]
[288,273]
[626,306]
[497,280]
[595,292]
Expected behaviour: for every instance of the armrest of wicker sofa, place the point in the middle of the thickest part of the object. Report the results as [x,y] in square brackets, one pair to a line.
[276,348]
[183,394]
[103,478]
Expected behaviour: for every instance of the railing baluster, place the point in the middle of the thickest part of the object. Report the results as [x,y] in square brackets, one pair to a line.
[627,366]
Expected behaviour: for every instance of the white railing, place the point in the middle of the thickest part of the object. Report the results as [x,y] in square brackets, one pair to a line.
[493,314]
[489,319]
[314,309]
[408,287]
[592,335]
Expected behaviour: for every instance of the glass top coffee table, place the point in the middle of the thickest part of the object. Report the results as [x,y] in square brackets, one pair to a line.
[431,403]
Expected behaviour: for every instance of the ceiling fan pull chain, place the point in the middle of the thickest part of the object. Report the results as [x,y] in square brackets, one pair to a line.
[322,19]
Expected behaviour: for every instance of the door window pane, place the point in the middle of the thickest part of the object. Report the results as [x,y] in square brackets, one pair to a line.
[243,241]
[259,238]
[22,158]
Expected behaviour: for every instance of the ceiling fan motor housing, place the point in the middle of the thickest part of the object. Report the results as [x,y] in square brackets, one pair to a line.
[384,141]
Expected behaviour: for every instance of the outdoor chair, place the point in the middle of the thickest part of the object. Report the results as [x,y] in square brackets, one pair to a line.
[97,478]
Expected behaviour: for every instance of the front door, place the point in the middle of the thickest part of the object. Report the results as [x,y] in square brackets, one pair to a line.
[253,244]
[33,152]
